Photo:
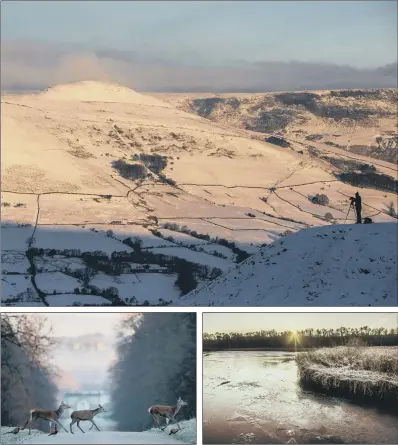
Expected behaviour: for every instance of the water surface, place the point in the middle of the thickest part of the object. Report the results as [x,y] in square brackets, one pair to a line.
[255,397]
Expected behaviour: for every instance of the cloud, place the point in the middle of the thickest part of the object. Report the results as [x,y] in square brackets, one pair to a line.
[34,66]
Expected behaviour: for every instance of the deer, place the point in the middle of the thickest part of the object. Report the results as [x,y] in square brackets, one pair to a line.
[168,412]
[45,414]
[86,414]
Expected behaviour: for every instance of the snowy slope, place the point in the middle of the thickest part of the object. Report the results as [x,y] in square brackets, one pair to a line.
[186,435]
[350,265]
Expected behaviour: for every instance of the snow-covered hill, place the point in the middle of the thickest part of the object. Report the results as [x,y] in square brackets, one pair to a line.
[340,265]
[186,435]
[362,121]
[110,196]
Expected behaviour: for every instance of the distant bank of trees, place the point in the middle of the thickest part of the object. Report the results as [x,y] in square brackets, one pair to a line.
[27,380]
[308,338]
[156,364]
[377,181]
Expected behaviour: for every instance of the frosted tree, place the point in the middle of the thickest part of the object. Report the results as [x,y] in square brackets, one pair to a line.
[27,381]
[156,364]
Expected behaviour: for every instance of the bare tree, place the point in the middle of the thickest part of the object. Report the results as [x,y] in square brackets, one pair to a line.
[26,376]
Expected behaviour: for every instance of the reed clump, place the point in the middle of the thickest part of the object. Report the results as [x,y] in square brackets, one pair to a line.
[364,374]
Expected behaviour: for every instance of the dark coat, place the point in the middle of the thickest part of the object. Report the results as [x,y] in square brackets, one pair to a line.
[358,201]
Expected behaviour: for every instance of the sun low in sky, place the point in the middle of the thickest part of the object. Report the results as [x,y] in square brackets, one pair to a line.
[251,322]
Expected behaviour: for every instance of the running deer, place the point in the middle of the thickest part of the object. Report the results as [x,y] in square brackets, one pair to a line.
[168,412]
[86,414]
[45,414]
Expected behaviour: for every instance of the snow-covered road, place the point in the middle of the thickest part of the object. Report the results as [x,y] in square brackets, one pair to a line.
[187,435]
[102,437]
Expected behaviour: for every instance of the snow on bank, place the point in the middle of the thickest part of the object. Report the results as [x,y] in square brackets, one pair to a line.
[338,265]
[186,435]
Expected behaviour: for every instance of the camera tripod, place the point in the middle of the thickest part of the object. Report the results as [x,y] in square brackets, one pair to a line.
[349,208]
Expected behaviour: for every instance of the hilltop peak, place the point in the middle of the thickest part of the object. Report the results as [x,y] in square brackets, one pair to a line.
[98,91]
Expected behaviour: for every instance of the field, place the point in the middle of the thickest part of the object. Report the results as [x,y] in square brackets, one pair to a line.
[368,374]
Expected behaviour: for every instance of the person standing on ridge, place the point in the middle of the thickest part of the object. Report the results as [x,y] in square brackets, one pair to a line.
[357,201]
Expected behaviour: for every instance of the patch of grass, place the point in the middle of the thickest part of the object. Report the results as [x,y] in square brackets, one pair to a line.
[365,374]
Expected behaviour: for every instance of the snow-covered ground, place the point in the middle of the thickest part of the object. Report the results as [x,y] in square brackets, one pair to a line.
[76,238]
[14,262]
[48,282]
[17,286]
[58,159]
[69,299]
[340,265]
[145,286]
[186,435]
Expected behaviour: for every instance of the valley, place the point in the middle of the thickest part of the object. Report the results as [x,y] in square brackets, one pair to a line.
[112,197]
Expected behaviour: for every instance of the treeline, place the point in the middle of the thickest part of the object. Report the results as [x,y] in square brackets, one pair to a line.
[349,166]
[377,181]
[308,338]
[241,255]
[156,364]
[27,380]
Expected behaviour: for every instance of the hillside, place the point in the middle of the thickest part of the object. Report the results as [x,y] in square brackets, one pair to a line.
[349,265]
[362,122]
[110,196]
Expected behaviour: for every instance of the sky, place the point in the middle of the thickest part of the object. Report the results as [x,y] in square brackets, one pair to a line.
[359,33]
[164,46]
[85,346]
[251,322]
[77,324]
